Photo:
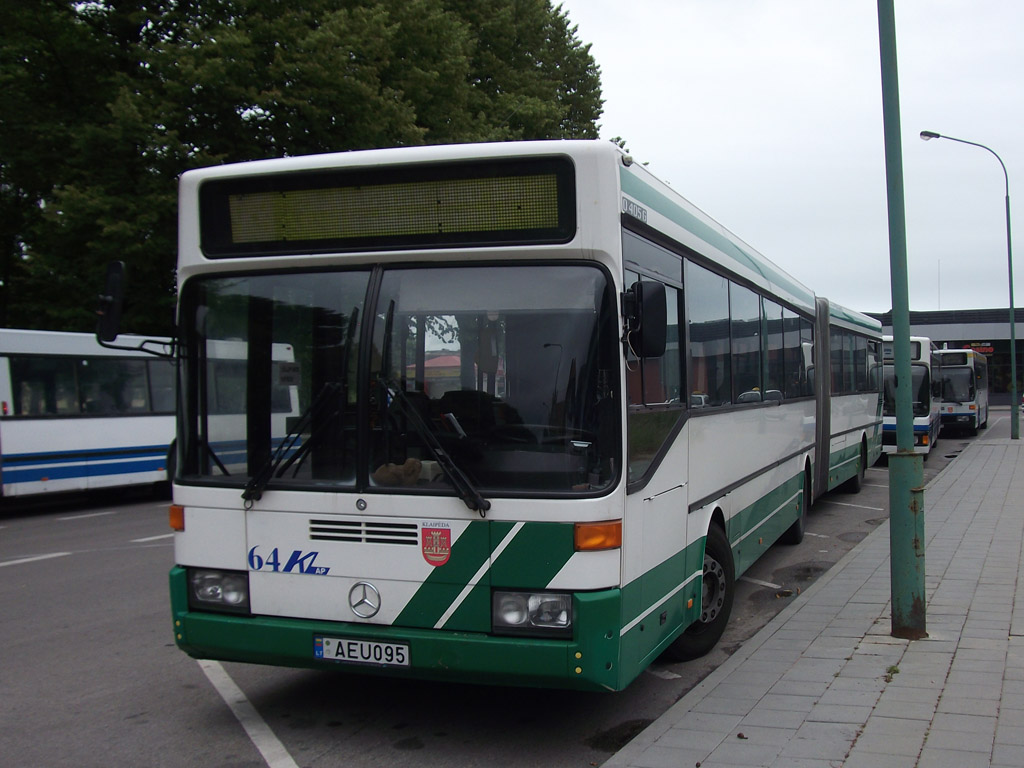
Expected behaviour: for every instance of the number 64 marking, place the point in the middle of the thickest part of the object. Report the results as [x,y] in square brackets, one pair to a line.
[297,562]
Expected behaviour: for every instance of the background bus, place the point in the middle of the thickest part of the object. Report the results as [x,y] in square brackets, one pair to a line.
[77,416]
[549,411]
[964,389]
[926,384]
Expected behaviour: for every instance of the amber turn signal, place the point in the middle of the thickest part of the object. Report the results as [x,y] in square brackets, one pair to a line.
[593,537]
[176,515]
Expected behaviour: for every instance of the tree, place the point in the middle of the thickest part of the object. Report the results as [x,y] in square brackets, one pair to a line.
[103,103]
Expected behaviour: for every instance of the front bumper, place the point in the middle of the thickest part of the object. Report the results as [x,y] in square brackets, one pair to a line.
[589,661]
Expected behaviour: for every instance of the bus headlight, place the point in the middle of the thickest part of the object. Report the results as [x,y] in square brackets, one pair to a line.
[218,590]
[541,614]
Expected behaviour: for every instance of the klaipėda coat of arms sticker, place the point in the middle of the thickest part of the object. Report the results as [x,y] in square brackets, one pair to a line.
[436,541]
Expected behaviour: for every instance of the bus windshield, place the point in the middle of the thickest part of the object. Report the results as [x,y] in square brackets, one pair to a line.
[920,390]
[509,370]
[957,385]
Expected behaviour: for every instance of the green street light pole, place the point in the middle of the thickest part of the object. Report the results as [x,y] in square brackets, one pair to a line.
[906,467]
[1014,405]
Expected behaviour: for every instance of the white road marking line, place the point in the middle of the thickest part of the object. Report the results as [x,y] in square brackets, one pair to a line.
[90,514]
[760,583]
[855,506]
[817,535]
[664,674]
[269,746]
[152,538]
[35,558]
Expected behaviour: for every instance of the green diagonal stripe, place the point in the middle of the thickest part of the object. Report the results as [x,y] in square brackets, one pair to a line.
[534,556]
[445,582]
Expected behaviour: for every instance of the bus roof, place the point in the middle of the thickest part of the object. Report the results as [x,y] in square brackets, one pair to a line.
[667,211]
[841,315]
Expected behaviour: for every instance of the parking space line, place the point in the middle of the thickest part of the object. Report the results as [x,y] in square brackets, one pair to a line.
[760,583]
[35,558]
[88,514]
[269,746]
[855,506]
[152,538]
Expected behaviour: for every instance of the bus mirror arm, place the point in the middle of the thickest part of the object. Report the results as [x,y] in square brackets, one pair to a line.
[108,311]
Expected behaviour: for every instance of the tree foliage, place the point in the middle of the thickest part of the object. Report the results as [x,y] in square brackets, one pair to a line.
[103,103]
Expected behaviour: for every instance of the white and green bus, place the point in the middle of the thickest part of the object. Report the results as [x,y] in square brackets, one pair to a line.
[548,412]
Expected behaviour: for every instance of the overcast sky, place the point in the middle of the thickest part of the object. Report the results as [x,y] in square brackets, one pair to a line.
[767,115]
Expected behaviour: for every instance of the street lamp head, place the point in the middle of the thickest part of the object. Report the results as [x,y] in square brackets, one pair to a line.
[926,135]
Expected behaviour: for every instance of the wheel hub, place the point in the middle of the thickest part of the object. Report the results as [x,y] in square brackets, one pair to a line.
[713,589]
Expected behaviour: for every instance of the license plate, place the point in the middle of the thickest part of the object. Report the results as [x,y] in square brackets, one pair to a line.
[348,650]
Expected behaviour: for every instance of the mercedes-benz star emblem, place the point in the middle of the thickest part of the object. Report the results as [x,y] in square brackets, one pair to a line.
[364,599]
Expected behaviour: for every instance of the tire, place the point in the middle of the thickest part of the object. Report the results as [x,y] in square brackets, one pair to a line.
[795,533]
[855,483]
[719,588]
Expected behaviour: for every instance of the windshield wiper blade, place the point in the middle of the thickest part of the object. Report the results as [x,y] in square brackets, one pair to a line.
[470,496]
[258,482]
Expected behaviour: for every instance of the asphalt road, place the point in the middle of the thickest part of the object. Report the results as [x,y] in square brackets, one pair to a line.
[90,675]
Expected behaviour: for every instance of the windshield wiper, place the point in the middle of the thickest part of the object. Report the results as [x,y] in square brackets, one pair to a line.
[258,482]
[470,496]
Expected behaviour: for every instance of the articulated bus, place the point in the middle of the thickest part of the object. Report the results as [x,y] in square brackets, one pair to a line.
[926,388]
[964,389]
[77,416]
[548,412]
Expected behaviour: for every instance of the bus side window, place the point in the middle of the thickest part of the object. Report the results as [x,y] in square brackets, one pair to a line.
[792,354]
[43,386]
[161,385]
[836,360]
[773,351]
[707,302]
[745,322]
[109,386]
[662,376]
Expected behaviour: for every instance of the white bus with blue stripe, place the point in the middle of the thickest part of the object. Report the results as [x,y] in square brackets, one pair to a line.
[926,393]
[76,416]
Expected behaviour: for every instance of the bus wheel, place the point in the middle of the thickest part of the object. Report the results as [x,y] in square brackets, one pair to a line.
[716,601]
[853,485]
[795,533]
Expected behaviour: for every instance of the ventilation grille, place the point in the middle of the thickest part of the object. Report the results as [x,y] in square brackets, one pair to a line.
[364,532]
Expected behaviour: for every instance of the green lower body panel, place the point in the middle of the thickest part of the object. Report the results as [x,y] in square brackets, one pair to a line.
[587,661]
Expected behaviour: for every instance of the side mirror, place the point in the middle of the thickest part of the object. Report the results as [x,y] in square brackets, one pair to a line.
[646,318]
[110,303]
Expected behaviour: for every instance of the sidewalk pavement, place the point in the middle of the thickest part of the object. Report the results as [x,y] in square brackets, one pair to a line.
[825,683]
